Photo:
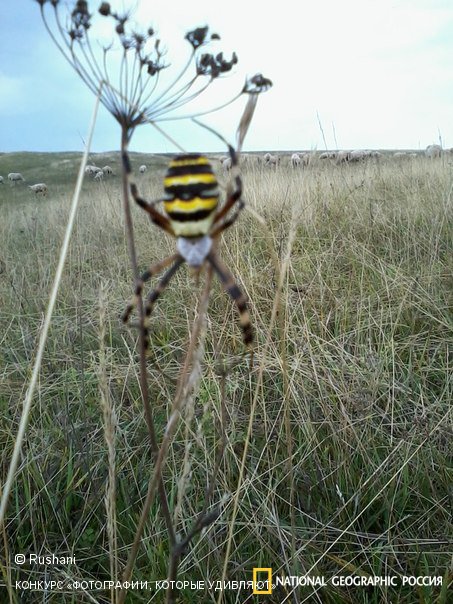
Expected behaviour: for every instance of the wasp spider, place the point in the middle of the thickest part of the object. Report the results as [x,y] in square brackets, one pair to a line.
[193,216]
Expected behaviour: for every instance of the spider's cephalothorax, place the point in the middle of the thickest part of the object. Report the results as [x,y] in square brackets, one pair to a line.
[193,216]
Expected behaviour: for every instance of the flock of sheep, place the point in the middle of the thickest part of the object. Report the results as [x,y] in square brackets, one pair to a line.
[302,159]
[306,158]
[39,188]
[98,173]
[342,157]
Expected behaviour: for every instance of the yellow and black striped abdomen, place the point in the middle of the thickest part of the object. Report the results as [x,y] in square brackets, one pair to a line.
[191,195]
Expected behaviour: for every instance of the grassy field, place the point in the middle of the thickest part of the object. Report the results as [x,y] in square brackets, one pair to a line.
[347,466]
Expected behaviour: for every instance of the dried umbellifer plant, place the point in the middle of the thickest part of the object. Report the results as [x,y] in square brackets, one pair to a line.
[134,92]
[126,74]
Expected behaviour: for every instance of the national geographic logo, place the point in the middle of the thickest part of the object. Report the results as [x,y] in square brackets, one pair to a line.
[263,580]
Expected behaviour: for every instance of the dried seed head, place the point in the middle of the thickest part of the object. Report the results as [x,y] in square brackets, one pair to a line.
[256,84]
[120,29]
[152,68]
[197,36]
[213,66]
[215,37]
[80,16]
[81,7]
[75,34]
[104,9]
[138,39]
[150,32]
[203,64]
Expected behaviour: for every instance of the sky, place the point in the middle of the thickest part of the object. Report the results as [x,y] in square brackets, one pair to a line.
[349,74]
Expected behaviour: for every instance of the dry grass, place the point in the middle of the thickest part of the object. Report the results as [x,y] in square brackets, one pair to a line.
[346,466]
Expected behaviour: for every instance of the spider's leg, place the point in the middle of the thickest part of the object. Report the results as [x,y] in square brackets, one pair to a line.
[236,294]
[234,195]
[227,223]
[153,270]
[156,292]
[158,219]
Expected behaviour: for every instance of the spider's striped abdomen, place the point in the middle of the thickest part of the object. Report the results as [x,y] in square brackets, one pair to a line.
[191,195]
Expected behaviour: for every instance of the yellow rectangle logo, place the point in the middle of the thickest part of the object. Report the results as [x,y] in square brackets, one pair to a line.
[268,579]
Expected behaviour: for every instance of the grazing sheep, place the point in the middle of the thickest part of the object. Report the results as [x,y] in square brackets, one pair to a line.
[328,155]
[295,160]
[342,157]
[1,180]
[99,175]
[433,151]
[107,170]
[271,161]
[358,155]
[400,155]
[39,189]
[15,177]
[92,170]
[307,158]
[142,169]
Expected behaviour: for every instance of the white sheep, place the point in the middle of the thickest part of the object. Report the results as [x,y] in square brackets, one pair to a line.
[15,177]
[271,161]
[307,158]
[99,175]
[328,155]
[295,160]
[142,169]
[400,155]
[342,157]
[92,170]
[433,151]
[107,170]
[358,155]
[39,189]
[1,180]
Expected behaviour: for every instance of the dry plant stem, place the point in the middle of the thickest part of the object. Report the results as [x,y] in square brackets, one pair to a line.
[204,518]
[45,328]
[142,348]
[259,382]
[282,322]
[290,470]
[109,418]
[182,391]
[6,568]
